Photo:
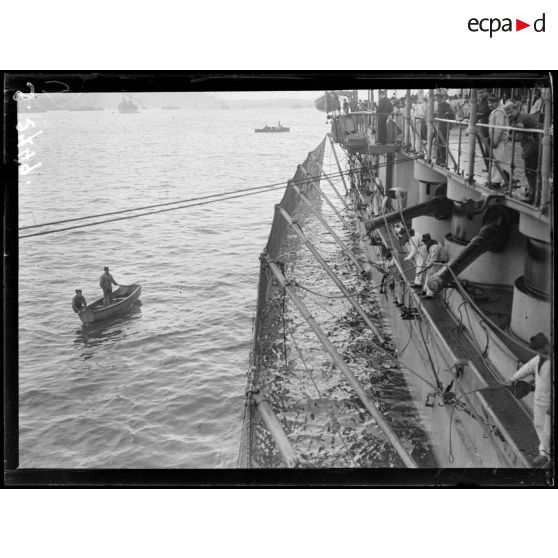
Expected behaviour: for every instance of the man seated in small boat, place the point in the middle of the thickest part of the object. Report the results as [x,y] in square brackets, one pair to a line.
[78,302]
[106,283]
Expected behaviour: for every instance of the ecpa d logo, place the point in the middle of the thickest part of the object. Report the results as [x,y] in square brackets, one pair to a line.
[494,24]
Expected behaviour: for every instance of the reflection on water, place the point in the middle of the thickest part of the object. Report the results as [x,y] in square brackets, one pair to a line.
[105,332]
[162,387]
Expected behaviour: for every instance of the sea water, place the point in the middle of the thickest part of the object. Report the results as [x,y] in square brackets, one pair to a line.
[164,385]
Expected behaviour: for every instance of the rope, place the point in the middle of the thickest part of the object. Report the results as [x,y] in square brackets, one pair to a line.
[189,200]
[385,351]
[485,318]
[146,214]
[224,197]
[295,283]
[432,366]
[483,353]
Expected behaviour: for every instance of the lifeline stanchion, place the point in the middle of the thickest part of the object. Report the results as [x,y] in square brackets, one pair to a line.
[276,430]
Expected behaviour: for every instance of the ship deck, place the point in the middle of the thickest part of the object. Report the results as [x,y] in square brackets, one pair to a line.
[510,416]
[459,160]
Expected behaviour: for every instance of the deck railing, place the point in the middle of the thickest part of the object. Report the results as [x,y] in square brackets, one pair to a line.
[380,128]
[512,166]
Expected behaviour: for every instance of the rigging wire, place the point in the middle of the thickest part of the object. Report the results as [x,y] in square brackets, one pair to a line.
[220,197]
[459,404]
[485,318]
[385,351]
[188,200]
[146,214]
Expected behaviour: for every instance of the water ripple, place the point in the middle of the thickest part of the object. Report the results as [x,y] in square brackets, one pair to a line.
[163,386]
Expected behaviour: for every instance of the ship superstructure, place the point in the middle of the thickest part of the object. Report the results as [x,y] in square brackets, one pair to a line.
[459,328]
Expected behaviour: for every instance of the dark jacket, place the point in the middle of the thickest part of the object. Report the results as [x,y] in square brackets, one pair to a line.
[445,111]
[527,138]
[483,110]
[106,280]
[78,303]
[385,106]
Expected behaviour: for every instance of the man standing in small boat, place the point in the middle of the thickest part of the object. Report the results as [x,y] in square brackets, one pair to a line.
[78,302]
[106,283]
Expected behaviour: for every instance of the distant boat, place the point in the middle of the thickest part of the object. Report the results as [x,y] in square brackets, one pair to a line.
[127,106]
[278,128]
[225,105]
[170,108]
[123,299]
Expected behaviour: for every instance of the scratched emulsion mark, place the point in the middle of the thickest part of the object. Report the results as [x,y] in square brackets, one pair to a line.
[26,138]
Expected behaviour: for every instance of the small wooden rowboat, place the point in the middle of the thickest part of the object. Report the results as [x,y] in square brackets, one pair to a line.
[123,299]
[278,128]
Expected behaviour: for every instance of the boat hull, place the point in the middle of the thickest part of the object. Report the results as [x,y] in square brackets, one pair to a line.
[272,130]
[127,296]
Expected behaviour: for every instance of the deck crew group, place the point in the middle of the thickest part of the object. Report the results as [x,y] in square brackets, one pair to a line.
[496,111]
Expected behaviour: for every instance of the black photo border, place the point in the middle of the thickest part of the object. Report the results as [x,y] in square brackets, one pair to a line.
[214,81]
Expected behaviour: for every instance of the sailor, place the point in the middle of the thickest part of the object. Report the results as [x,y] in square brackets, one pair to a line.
[483,112]
[536,107]
[437,255]
[420,262]
[394,200]
[464,108]
[539,367]
[444,111]
[418,118]
[530,149]
[78,302]
[346,106]
[105,282]
[409,243]
[384,108]
[388,265]
[497,141]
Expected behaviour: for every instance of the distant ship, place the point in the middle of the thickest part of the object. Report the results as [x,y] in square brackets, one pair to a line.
[170,108]
[278,128]
[225,105]
[127,106]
